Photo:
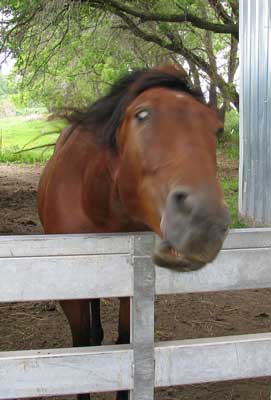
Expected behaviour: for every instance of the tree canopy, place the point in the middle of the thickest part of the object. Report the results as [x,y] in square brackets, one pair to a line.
[68,51]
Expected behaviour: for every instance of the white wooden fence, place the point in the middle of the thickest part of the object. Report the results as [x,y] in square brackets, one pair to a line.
[91,266]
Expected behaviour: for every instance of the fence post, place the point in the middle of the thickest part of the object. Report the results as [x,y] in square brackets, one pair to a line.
[143,325]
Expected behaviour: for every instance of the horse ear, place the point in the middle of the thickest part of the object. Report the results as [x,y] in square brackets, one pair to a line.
[173,69]
[177,71]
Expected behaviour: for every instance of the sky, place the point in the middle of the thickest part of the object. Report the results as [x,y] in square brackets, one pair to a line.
[7,65]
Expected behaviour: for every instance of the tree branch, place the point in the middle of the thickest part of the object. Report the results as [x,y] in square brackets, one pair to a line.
[220,11]
[235,7]
[176,45]
[185,17]
[233,60]
[23,21]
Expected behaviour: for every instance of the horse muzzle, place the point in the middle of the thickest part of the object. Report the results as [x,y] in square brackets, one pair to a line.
[194,226]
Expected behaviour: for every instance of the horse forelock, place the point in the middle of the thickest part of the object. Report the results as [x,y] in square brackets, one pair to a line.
[103,118]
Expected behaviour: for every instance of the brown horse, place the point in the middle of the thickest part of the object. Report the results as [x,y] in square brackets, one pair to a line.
[141,158]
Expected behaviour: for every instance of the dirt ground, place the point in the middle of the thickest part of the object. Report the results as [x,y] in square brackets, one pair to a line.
[43,325]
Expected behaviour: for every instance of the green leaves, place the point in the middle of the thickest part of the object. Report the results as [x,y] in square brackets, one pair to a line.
[70,52]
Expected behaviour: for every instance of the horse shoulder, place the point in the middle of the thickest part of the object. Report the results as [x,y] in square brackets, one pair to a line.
[60,189]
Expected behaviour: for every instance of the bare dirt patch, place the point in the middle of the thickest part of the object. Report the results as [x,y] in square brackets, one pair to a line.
[43,325]
[18,190]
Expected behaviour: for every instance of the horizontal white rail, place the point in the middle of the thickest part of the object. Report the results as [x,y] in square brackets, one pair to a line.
[94,276]
[65,277]
[109,368]
[61,245]
[232,270]
[65,371]
[212,359]
[80,244]
[248,238]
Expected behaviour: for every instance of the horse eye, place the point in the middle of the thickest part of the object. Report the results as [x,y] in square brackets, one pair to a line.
[142,115]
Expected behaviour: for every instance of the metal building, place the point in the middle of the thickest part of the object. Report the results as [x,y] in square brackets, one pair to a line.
[255,110]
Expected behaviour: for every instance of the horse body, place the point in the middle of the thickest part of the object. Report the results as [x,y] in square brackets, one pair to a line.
[141,158]
[77,195]
[77,189]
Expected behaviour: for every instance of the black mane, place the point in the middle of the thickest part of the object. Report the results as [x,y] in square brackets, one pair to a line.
[103,117]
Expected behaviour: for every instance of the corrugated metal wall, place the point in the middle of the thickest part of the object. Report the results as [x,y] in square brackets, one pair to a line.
[255,110]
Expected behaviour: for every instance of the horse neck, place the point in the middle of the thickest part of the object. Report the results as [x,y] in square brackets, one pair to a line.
[101,199]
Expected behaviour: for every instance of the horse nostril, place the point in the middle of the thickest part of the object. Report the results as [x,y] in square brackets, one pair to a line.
[179,201]
[180,197]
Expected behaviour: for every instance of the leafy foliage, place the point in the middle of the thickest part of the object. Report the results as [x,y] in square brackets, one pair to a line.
[231,127]
[68,52]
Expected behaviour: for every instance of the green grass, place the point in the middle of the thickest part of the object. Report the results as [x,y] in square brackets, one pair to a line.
[230,187]
[18,133]
[230,149]
[228,155]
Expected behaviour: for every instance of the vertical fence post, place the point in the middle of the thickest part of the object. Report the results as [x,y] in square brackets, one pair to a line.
[143,324]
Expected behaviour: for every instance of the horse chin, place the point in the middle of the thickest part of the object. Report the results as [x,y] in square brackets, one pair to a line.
[168,257]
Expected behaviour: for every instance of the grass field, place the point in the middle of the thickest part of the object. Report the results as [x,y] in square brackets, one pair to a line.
[22,132]
[18,133]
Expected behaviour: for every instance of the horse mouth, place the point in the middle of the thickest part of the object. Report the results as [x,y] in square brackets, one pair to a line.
[168,257]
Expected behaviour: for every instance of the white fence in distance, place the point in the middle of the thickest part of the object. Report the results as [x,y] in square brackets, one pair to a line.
[90,266]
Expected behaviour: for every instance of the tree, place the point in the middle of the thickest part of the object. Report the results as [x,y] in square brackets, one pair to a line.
[96,37]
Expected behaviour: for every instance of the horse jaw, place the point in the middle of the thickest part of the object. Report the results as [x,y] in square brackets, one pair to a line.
[168,257]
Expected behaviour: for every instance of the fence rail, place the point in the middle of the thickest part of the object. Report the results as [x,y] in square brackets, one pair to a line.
[89,266]
[93,266]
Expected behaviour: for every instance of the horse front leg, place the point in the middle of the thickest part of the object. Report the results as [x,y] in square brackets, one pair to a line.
[124,334]
[97,333]
[77,313]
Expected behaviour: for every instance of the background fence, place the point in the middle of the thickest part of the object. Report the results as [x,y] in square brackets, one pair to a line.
[90,266]
[255,105]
